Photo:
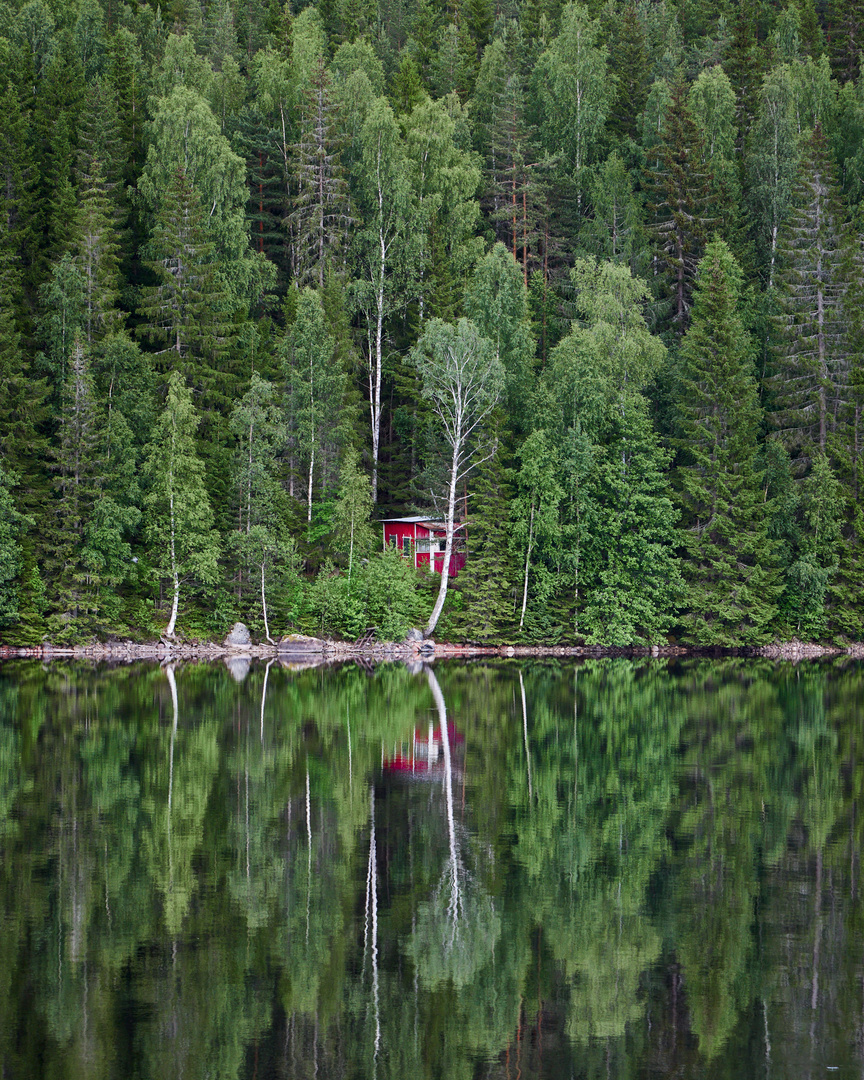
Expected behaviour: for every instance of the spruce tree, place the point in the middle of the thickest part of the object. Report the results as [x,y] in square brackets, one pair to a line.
[514,195]
[728,557]
[629,61]
[23,408]
[535,535]
[321,218]
[631,577]
[811,381]
[679,200]
[97,254]
[315,393]
[443,177]
[186,311]
[12,527]
[496,300]
[486,587]
[810,575]
[78,472]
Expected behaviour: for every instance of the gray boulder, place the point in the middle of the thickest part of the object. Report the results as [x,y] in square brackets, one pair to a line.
[300,644]
[239,635]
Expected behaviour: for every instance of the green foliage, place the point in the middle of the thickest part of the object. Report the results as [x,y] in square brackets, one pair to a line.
[178,517]
[553,174]
[729,562]
[12,526]
[631,578]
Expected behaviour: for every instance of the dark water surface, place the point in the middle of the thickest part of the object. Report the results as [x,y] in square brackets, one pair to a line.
[614,869]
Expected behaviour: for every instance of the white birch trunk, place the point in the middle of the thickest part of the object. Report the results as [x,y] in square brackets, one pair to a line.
[264,607]
[527,566]
[448,543]
[169,629]
[375,374]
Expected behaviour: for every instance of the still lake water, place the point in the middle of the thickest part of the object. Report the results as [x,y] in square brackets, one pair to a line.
[609,869]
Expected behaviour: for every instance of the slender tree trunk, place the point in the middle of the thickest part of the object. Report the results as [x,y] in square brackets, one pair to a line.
[455,905]
[169,629]
[375,374]
[249,484]
[264,695]
[264,607]
[525,736]
[448,543]
[351,550]
[309,498]
[527,565]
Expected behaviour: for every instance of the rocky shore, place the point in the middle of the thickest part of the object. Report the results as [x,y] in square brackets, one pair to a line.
[299,650]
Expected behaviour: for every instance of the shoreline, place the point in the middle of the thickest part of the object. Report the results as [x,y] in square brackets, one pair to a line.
[297,649]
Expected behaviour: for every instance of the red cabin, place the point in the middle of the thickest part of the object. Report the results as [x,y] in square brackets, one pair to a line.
[423,540]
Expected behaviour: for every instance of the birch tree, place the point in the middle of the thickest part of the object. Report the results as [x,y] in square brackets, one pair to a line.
[316,386]
[179,520]
[258,427]
[382,247]
[462,379]
[575,89]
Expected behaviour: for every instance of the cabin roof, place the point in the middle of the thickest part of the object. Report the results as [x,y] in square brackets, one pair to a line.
[422,519]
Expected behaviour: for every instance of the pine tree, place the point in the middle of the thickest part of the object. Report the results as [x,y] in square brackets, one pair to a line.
[811,381]
[178,516]
[260,144]
[729,560]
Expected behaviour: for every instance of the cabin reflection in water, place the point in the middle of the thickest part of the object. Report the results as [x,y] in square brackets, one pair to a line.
[423,756]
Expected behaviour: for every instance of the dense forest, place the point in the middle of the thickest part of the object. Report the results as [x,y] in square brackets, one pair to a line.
[585,277]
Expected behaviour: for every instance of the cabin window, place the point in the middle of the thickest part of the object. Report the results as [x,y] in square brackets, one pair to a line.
[393,541]
[406,546]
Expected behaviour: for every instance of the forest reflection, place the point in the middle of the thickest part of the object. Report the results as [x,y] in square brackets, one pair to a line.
[488,870]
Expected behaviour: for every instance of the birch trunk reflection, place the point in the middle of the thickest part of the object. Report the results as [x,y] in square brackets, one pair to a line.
[456,930]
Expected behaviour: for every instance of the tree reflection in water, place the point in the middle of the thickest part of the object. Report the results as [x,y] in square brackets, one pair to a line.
[649,869]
